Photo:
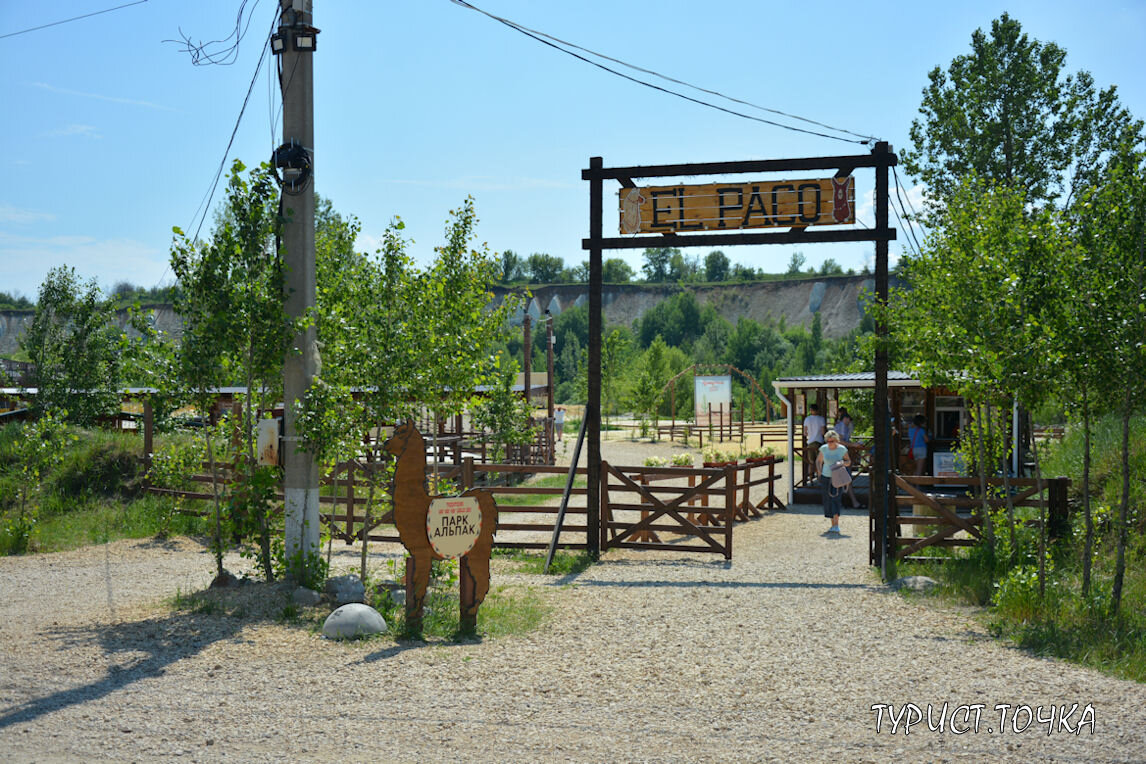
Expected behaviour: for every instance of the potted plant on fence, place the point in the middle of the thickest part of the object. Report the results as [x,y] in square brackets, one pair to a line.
[715,457]
[759,456]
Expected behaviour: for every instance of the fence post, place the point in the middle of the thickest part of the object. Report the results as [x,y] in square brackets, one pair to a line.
[603,511]
[729,508]
[1059,508]
[350,464]
[148,439]
[468,473]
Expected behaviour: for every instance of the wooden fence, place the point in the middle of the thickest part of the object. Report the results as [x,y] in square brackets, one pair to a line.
[769,434]
[712,498]
[947,512]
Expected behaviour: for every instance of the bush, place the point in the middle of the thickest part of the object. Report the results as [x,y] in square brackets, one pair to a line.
[100,464]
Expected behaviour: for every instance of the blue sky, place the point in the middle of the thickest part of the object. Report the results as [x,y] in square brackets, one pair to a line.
[111,136]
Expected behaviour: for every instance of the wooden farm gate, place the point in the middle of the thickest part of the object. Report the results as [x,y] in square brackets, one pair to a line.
[654,508]
[937,522]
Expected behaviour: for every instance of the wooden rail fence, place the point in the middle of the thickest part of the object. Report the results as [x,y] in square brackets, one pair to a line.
[947,512]
[713,498]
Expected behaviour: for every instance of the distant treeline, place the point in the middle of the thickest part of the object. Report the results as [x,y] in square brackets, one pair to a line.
[123,294]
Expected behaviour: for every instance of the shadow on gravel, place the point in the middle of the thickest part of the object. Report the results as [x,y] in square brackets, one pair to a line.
[143,649]
[728,584]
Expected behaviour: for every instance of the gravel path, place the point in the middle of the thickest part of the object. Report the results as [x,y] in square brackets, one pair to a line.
[656,656]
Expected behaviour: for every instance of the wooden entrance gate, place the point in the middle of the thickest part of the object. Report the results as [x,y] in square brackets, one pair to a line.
[658,512]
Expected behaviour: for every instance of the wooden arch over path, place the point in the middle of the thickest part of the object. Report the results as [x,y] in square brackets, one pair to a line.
[881,159]
[753,385]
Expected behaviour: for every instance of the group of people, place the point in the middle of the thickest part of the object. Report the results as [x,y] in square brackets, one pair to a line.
[831,447]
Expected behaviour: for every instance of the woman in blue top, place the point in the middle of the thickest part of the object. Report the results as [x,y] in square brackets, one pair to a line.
[918,438]
[830,453]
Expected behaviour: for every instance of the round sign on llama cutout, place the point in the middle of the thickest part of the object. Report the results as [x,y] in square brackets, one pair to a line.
[453,525]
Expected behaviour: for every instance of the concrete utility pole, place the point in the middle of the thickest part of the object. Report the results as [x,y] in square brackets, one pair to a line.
[295,43]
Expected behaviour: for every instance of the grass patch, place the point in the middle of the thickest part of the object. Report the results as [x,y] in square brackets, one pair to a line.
[98,521]
[545,481]
[564,563]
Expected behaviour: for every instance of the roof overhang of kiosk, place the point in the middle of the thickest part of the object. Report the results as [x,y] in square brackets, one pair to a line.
[861,381]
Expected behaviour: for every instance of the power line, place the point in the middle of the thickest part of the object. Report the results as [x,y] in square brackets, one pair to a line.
[202,53]
[231,141]
[74,18]
[901,217]
[552,42]
[905,218]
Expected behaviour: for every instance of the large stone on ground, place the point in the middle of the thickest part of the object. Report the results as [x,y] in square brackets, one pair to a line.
[305,597]
[353,620]
[346,589]
[922,584]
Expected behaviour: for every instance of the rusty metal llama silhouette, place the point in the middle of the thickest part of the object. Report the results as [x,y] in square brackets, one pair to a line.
[412,502]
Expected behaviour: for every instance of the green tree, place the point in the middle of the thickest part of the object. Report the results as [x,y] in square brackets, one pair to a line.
[742,273]
[795,263]
[716,266]
[1114,234]
[456,329]
[831,268]
[578,274]
[74,345]
[543,268]
[40,449]
[1009,112]
[236,330]
[512,268]
[658,264]
[979,317]
[616,271]
[503,412]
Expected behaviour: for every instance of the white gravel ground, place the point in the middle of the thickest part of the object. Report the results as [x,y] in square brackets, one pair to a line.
[779,655]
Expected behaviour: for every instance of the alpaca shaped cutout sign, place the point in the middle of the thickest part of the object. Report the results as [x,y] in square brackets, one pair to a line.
[439,527]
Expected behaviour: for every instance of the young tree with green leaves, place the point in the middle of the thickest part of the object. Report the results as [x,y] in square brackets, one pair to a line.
[1114,236]
[503,412]
[236,330]
[74,345]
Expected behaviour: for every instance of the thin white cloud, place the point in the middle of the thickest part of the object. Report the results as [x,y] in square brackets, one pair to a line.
[484,183]
[10,213]
[26,260]
[101,97]
[88,131]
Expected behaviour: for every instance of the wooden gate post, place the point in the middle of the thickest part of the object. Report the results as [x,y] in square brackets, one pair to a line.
[349,501]
[729,508]
[148,439]
[1058,507]
[467,473]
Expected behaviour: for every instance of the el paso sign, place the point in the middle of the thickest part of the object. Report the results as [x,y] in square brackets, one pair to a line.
[725,206]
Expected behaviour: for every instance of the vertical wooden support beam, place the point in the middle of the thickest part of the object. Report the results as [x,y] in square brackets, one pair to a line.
[148,438]
[881,463]
[729,508]
[350,464]
[593,407]
[1058,520]
[468,473]
[527,358]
